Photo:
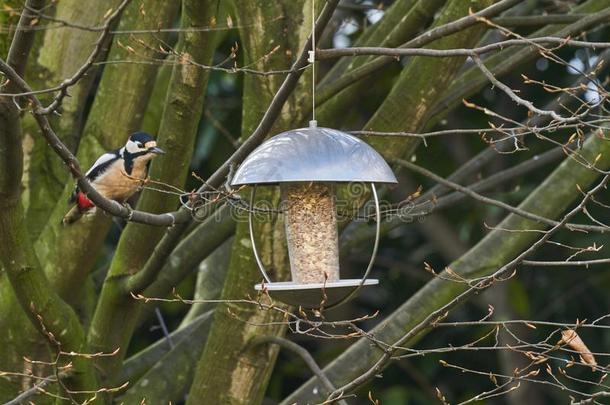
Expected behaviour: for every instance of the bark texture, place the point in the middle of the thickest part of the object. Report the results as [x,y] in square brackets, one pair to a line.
[48,313]
[62,52]
[108,125]
[240,376]
[183,107]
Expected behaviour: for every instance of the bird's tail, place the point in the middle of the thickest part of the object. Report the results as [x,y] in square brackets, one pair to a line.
[72,216]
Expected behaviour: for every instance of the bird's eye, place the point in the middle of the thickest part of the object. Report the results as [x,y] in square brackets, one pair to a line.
[139,144]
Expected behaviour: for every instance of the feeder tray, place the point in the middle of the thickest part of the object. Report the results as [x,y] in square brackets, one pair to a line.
[314,295]
[305,162]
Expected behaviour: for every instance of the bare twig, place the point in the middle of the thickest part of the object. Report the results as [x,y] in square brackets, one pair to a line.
[30,392]
[573,263]
[537,20]
[441,312]
[299,351]
[22,41]
[478,197]
[97,51]
[445,53]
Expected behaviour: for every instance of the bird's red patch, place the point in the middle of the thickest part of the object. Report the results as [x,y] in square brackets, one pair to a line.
[83,202]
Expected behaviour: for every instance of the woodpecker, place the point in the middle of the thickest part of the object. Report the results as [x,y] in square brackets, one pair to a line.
[116,175]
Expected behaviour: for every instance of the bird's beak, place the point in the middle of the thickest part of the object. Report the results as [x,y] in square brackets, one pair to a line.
[157,150]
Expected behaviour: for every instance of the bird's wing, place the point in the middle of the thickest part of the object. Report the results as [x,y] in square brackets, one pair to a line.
[101,164]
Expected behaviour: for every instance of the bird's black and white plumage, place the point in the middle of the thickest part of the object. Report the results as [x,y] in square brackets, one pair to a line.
[116,175]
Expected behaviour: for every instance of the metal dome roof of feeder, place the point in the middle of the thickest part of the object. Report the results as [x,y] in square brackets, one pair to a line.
[313,154]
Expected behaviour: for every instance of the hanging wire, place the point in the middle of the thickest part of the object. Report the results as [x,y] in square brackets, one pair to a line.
[312,59]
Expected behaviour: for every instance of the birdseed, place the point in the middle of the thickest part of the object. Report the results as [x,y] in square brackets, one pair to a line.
[311,232]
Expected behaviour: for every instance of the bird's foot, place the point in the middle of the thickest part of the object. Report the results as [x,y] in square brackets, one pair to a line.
[130,209]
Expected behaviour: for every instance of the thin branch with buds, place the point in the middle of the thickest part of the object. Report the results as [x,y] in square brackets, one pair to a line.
[440,313]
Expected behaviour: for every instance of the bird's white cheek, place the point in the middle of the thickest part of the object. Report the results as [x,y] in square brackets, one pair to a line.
[131,147]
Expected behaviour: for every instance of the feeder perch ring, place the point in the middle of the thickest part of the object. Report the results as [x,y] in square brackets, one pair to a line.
[315,295]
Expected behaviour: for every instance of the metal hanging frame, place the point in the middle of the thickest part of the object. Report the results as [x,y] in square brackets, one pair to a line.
[369,267]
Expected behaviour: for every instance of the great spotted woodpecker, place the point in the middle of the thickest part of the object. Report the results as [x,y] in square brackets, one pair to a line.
[116,175]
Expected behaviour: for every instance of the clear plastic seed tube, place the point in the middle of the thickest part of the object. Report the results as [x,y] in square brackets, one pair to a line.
[311,232]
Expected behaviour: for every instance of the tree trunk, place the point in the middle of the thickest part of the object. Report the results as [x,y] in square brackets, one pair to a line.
[62,52]
[239,374]
[177,133]
[117,111]
[51,317]
[403,20]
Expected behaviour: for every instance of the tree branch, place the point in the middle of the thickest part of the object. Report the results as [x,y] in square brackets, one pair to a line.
[30,392]
[537,20]
[444,53]
[158,281]
[506,61]
[98,48]
[49,314]
[326,92]
[299,351]
[24,38]
[571,263]
[491,253]
[486,200]
[355,234]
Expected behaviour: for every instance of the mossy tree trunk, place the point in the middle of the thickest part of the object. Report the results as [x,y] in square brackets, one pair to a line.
[403,20]
[177,132]
[230,372]
[56,323]
[62,52]
[418,87]
[117,110]
[66,255]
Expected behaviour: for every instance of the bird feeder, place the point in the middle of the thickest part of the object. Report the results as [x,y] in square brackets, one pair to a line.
[306,163]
